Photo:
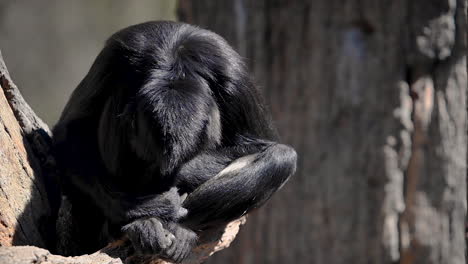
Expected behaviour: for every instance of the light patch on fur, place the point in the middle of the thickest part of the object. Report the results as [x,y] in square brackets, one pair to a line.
[214,128]
[239,164]
[281,186]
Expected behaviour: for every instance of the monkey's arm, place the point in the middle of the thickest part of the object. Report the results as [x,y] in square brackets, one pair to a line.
[122,208]
[199,176]
[209,163]
[77,154]
[233,181]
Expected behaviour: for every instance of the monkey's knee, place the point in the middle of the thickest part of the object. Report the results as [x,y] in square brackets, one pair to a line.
[283,159]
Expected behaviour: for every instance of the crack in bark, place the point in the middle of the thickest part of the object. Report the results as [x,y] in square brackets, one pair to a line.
[422,96]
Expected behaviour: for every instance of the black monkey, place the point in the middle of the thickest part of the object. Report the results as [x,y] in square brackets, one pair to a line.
[167,111]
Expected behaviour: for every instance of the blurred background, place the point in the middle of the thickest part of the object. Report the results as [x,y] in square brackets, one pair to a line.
[50,45]
[371,93]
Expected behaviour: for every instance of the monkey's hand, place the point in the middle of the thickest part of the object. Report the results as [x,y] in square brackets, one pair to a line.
[166,206]
[183,243]
[148,236]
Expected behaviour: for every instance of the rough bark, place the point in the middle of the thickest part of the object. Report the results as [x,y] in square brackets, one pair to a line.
[29,197]
[372,94]
[24,205]
[121,251]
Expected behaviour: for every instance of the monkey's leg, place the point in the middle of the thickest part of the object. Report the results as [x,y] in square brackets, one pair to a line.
[245,184]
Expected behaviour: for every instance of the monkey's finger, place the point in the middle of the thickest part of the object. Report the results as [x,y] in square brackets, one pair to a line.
[183,197]
[161,235]
[182,250]
[187,252]
[192,243]
[170,251]
[172,238]
[178,252]
[182,213]
[174,190]
[137,244]
[165,239]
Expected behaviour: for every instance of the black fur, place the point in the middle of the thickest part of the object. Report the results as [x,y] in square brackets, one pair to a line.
[167,109]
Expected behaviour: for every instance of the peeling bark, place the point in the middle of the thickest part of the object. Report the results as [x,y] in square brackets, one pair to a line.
[432,225]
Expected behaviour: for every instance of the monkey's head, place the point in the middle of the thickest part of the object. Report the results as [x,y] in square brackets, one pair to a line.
[172,118]
[184,90]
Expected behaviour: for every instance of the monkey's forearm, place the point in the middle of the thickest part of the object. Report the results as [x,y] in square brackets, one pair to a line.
[210,163]
[244,185]
[122,208]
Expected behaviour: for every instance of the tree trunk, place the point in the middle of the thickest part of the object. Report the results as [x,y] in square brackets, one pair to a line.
[372,94]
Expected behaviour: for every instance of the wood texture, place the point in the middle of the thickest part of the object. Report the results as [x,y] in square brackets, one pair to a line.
[24,205]
[372,94]
[121,251]
[33,255]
